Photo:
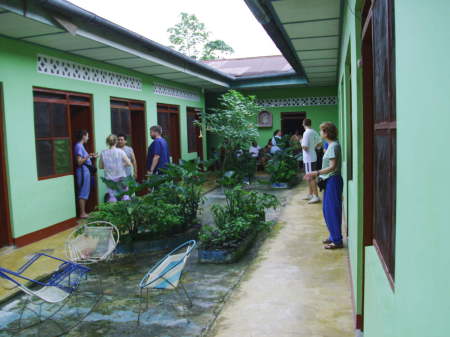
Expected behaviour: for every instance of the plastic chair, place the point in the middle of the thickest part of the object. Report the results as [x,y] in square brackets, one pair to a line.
[92,242]
[166,274]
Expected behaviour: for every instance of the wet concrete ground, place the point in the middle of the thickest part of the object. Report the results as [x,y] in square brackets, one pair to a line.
[116,313]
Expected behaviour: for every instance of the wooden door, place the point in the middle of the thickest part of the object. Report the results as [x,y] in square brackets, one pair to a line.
[169,120]
[128,117]
[5,226]
[291,122]
[81,119]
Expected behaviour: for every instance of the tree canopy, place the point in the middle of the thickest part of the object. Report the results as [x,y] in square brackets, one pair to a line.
[191,38]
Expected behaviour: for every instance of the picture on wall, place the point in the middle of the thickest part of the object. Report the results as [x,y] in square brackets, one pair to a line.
[265,119]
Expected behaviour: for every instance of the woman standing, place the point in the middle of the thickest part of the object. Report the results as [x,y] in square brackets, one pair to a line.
[331,174]
[83,171]
[114,161]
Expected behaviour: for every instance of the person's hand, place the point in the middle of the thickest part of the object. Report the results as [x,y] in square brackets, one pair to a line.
[149,173]
[93,155]
[310,176]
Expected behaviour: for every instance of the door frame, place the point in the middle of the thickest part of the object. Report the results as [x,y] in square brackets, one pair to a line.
[171,109]
[7,239]
[141,166]
[292,115]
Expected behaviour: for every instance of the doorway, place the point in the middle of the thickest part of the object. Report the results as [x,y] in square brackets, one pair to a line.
[195,137]
[169,120]
[5,225]
[128,118]
[291,122]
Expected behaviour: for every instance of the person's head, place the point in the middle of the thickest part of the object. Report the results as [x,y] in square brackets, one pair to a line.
[82,136]
[254,144]
[307,123]
[277,133]
[121,140]
[297,132]
[155,131]
[111,140]
[328,131]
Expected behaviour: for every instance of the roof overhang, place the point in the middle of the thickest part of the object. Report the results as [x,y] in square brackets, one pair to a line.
[270,80]
[307,32]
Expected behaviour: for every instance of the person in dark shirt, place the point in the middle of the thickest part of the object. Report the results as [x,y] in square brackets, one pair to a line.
[158,152]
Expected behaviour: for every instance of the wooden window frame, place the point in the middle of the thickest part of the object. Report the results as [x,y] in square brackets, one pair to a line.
[67,102]
[128,106]
[374,129]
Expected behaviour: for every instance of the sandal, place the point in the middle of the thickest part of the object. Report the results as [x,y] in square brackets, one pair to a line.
[327,241]
[334,246]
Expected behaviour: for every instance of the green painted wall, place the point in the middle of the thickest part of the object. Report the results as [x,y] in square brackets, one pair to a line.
[317,114]
[419,304]
[39,204]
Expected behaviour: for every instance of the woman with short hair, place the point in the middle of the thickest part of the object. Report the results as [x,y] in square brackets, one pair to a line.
[83,171]
[330,173]
[114,161]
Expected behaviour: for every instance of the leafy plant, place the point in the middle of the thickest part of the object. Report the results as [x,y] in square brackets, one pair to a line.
[234,123]
[283,164]
[242,214]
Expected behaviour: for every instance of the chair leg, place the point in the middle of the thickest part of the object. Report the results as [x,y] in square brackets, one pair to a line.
[186,293]
[146,299]
[140,305]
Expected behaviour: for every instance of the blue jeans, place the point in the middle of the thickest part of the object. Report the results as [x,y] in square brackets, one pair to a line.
[332,207]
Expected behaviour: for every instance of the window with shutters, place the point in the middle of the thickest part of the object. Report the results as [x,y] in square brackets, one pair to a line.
[380,129]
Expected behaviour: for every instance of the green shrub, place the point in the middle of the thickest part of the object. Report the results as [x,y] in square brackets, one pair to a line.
[283,165]
[242,214]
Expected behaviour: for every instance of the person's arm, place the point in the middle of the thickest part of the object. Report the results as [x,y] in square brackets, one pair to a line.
[101,164]
[134,163]
[156,155]
[125,159]
[81,160]
[155,162]
[305,141]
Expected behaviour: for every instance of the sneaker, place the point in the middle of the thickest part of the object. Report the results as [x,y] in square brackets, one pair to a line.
[307,197]
[314,200]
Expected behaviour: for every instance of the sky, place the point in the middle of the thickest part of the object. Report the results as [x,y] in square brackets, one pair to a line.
[228,20]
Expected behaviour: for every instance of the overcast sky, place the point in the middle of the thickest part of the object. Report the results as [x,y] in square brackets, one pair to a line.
[228,20]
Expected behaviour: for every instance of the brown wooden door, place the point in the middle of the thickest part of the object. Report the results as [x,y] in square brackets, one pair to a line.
[169,120]
[195,137]
[81,119]
[291,122]
[5,226]
[128,117]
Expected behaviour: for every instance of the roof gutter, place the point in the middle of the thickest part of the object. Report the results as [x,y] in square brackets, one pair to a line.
[265,14]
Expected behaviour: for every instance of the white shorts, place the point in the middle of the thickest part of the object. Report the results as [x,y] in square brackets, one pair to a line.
[310,167]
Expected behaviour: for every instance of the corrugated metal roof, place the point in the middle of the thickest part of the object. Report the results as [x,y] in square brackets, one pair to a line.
[251,66]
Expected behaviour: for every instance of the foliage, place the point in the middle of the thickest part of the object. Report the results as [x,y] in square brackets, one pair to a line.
[171,207]
[191,38]
[234,122]
[283,165]
[242,214]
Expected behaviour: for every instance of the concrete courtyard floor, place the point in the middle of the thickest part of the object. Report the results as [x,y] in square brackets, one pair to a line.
[287,285]
[294,287]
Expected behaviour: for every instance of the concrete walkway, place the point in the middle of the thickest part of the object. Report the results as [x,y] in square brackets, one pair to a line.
[294,287]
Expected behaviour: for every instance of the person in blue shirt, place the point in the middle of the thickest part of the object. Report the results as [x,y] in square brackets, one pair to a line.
[158,152]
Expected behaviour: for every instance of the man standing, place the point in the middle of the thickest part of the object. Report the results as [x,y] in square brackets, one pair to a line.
[122,144]
[309,143]
[158,152]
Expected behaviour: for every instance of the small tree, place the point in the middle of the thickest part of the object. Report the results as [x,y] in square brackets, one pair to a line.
[191,38]
[234,123]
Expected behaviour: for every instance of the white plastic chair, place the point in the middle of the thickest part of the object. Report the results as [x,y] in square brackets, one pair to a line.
[166,274]
[92,242]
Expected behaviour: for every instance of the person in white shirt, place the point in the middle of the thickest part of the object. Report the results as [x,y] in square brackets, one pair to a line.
[254,150]
[114,161]
[275,139]
[310,141]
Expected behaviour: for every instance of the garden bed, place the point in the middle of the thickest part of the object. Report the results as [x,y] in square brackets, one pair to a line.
[220,256]
[147,244]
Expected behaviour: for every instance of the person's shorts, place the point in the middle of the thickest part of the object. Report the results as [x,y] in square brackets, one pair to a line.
[310,167]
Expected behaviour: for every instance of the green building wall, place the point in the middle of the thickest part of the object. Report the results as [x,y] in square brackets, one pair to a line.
[419,303]
[36,204]
[317,113]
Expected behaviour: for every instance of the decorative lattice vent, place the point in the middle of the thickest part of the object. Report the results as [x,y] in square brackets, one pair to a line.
[58,67]
[298,101]
[165,90]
